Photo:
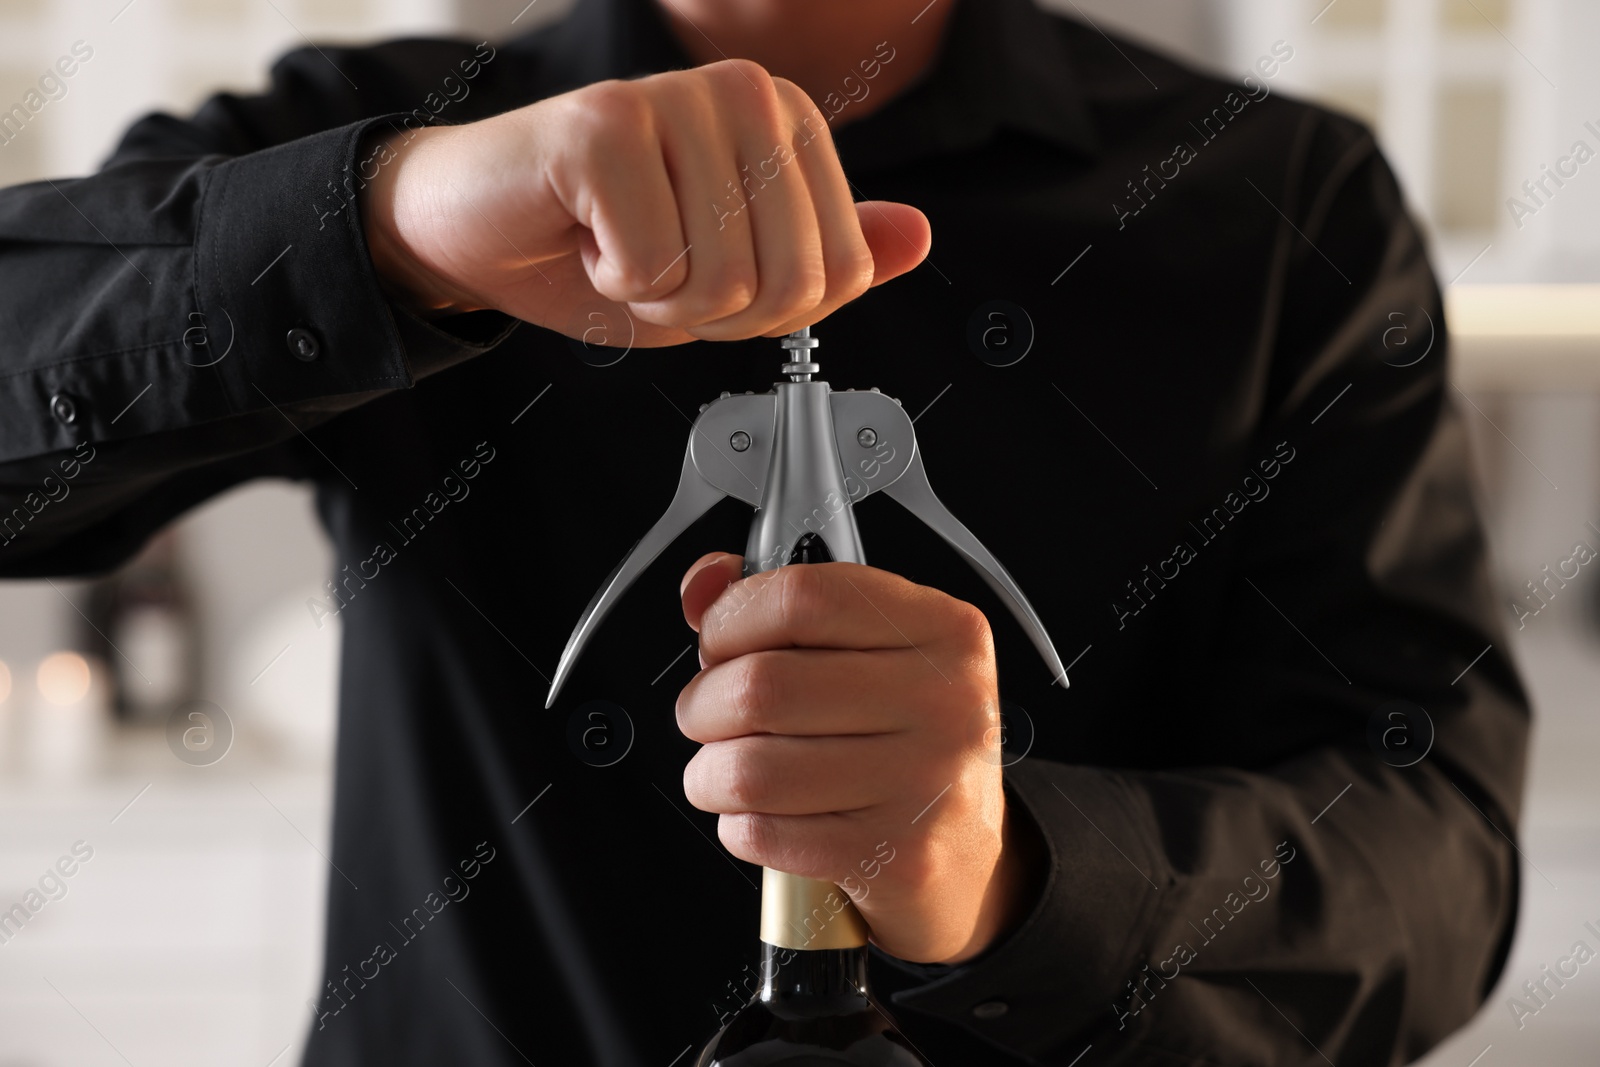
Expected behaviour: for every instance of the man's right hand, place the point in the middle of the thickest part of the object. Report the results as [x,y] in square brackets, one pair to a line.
[640,193]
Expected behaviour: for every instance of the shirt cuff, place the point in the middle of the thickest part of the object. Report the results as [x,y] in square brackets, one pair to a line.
[434,344]
[281,257]
[1056,975]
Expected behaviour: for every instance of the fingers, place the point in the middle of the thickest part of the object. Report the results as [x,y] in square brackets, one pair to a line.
[709,203]
[707,120]
[808,692]
[852,848]
[851,261]
[718,206]
[780,210]
[790,775]
[842,605]
[701,120]
[617,185]
[705,580]
[812,846]
[846,266]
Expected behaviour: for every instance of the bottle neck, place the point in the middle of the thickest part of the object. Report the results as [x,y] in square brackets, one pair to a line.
[790,974]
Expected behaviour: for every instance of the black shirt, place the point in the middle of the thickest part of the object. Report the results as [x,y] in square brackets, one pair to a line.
[1243,515]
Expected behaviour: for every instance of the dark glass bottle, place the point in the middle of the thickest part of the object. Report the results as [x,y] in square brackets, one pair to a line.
[814,1008]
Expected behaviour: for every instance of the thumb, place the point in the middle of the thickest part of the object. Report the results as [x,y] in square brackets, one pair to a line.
[898,234]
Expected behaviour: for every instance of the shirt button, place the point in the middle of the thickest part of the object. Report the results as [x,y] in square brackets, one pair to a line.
[303,344]
[991,1009]
[64,408]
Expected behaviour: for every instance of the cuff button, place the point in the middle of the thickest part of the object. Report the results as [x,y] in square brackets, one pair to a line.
[991,1009]
[303,344]
[65,408]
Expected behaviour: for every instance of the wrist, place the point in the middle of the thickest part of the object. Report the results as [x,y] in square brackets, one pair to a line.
[384,202]
[1013,891]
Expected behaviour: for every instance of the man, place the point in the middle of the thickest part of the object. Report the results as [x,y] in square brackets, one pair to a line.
[1271,820]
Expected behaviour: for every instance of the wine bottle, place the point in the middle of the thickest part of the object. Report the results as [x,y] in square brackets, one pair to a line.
[814,1007]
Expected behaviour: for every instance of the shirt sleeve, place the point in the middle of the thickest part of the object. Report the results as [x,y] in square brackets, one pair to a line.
[1353,900]
[179,319]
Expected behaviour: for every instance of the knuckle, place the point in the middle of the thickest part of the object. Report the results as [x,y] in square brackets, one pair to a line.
[757,92]
[721,618]
[798,291]
[734,283]
[855,270]
[970,628]
[792,96]
[613,112]
[803,119]
[746,781]
[972,708]
[750,837]
[631,274]
[745,75]
[786,90]
[810,285]
[726,289]
[754,689]
[973,695]
[801,596]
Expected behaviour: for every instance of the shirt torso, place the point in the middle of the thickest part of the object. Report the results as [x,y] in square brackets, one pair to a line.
[1085,355]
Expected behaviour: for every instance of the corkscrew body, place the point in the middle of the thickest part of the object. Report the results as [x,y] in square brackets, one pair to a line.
[803,456]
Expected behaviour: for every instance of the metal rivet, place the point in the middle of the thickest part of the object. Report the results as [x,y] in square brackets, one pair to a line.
[64,408]
[740,440]
[867,437]
[303,344]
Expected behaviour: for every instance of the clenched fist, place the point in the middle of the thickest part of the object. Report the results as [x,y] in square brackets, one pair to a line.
[848,722]
[710,202]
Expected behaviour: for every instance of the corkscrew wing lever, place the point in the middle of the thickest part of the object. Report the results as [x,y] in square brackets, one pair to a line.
[712,469]
[913,493]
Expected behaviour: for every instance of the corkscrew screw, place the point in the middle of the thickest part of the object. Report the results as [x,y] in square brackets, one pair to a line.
[803,456]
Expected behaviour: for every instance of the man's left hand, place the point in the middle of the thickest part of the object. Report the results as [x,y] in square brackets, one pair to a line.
[848,715]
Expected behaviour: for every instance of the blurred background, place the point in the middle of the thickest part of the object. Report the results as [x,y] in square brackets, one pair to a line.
[195,831]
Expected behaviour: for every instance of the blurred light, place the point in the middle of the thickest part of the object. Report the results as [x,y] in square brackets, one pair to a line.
[63,678]
[1523,310]
[1524,338]
[5,681]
